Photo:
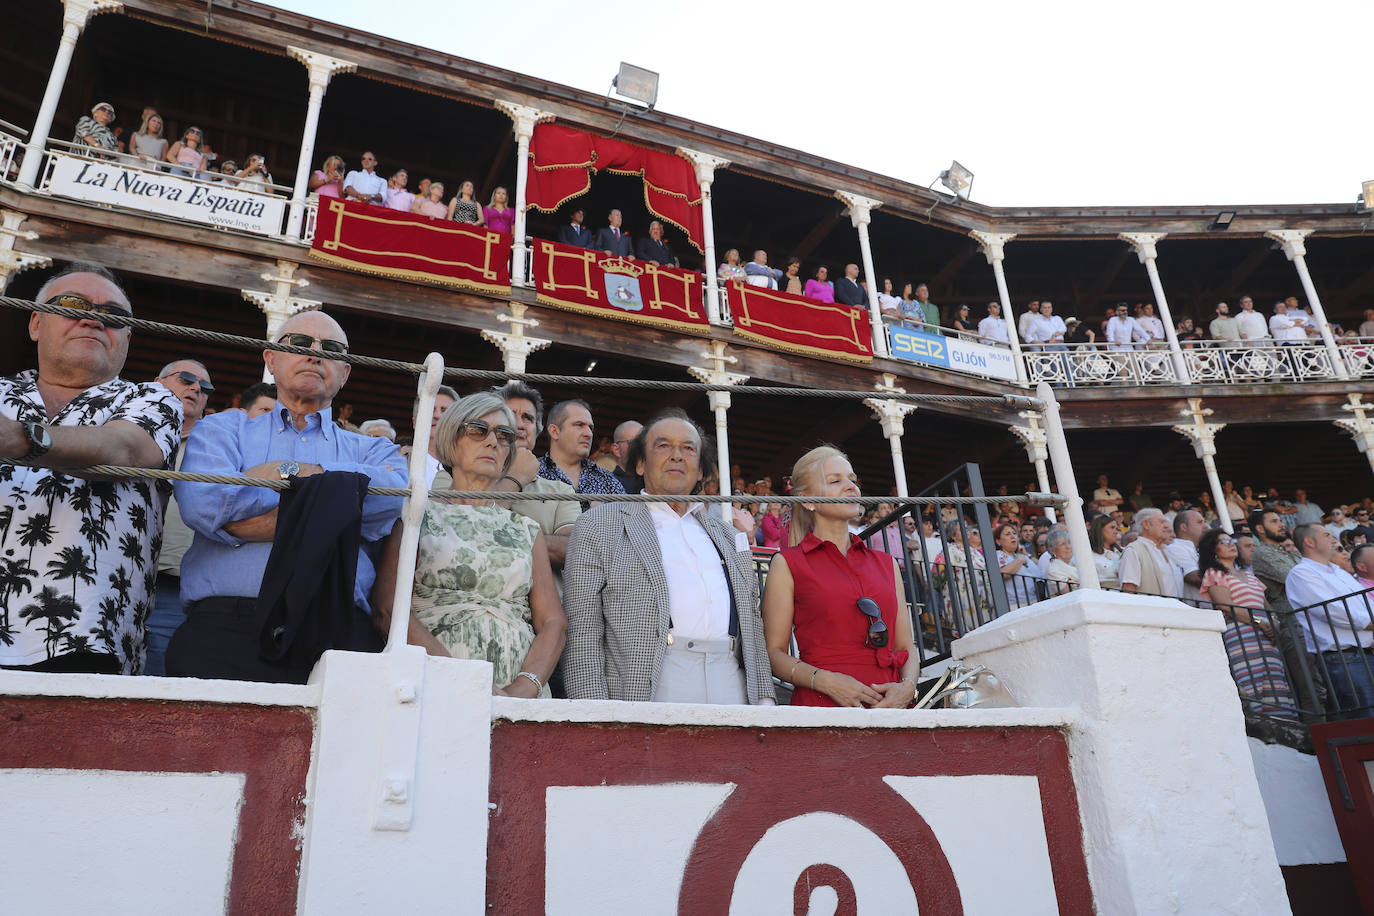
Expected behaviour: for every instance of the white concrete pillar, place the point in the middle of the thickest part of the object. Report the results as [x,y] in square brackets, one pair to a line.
[515,346]
[1144,245]
[1058,447]
[75,15]
[1295,249]
[14,262]
[706,165]
[993,245]
[1203,436]
[860,210]
[1360,426]
[525,118]
[322,68]
[279,304]
[1172,816]
[890,413]
[717,374]
[1032,436]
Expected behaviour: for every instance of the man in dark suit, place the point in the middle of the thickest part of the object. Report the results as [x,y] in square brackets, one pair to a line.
[576,234]
[655,249]
[662,599]
[612,241]
[847,288]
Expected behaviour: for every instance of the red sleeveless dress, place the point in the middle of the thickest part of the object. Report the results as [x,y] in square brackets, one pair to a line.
[826,620]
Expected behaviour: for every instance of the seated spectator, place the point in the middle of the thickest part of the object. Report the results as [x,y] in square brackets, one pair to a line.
[613,240]
[327,180]
[255,174]
[365,184]
[381,429]
[843,601]
[963,321]
[791,281]
[1362,562]
[147,143]
[223,572]
[1188,335]
[483,585]
[258,399]
[1143,567]
[1352,538]
[187,155]
[1339,522]
[819,287]
[888,304]
[397,197]
[1236,508]
[431,205]
[847,288]
[94,129]
[1061,568]
[993,329]
[1256,663]
[958,572]
[1016,566]
[730,269]
[1205,507]
[1339,629]
[496,214]
[758,273]
[464,207]
[76,598]
[655,248]
[573,232]
[1103,536]
[228,172]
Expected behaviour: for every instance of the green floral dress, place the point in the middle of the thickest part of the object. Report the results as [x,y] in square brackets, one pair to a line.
[472,584]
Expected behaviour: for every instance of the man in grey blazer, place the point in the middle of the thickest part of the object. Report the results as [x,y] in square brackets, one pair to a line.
[662,599]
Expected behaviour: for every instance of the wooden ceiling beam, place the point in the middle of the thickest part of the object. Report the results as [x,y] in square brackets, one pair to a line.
[941,283]
[815,237]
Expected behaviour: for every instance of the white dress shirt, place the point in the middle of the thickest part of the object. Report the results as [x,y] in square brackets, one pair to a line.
[1183,554]
[1042,329]
[1023,323]
[1284,327]
[698,595]
[993,329]
[1252,325]
[366,183]
[1123,330]
[1152,326]
[1309,583]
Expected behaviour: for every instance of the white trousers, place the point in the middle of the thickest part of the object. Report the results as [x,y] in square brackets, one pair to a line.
[700,671]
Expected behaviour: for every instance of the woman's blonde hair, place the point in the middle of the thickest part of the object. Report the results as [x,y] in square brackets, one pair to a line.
[143,128]
[492,202]
[806,481]
[473,407]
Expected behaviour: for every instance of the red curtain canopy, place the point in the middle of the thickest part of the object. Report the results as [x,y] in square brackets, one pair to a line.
[562,161]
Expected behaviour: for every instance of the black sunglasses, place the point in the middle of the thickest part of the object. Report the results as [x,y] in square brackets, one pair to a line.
[70,301]
[305,341]
[478,430]
[877,630]
[190,378]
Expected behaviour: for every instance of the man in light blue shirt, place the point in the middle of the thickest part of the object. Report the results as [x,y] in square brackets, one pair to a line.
[222,571]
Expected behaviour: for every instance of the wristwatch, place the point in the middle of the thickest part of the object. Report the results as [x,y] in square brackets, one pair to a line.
[40,440]
[288,469]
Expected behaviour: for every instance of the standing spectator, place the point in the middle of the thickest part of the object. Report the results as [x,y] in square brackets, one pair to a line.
[1236,508]
[1224,328]
[327,180]
[847,288]
[1188,335]
[431,203]
[774,531]
[963,321]
[1204,505]
[993,329]
[94,129]
[1078,332]
[1287,328]
[571,433]
[397,197]
[464,208]
[612,240]
[365,184]
[1189,526]
[187,155]
[1139,498]
[255,174]
[1150,324]
[80,561]
[625,435]
[1271,562]
[1016,566]
[930,312]
[496,214]
[1300,314]
[1023,323]
[1250,323]
[147,143]
[1144,567]
[888,304]
[656,249]
[730,269]
[791,281]
[819,287]
[1342,632]
[1103,536]
[258,399]
[571,233]
[1123,331]
[1047,328]
[1107,497]
[1367,326]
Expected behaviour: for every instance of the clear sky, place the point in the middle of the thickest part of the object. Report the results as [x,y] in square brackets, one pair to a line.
[1059,102]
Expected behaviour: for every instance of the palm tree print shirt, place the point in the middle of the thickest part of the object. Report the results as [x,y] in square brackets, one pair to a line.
[78,558]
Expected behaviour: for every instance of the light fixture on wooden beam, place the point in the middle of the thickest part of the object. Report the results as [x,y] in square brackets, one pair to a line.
[958,180]
[1365,202]
[1222,222]
[634,84]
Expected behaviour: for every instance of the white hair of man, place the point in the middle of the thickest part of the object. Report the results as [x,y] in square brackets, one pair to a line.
[1144,515]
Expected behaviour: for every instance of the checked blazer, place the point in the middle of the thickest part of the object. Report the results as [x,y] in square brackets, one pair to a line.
[616,597]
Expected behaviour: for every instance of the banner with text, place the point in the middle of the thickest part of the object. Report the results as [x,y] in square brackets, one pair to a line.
[798,324]
[614,287]
[104,181]
[951,353]
[407,246]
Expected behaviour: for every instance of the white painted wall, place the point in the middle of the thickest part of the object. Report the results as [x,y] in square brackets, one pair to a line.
[1295,800]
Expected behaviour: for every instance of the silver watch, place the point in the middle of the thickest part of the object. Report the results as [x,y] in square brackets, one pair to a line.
[288,469]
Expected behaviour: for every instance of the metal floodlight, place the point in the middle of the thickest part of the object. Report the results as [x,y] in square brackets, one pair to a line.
[1222,221]
[958,179]
[1367,194]
[636,84]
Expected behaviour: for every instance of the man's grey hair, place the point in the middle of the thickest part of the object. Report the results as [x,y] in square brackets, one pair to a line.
[167,369]
[1143,516]
[385,425]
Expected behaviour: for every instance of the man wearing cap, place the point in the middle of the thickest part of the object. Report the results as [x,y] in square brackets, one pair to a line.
[94,129]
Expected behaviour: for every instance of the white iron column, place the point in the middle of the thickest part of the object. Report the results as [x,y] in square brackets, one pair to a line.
[15,262]
[860,210]
[515,346]
[321,68]
[75,15]
[1144,245]
[993,245]
[890,413]
[706,165]
[279,304]
[1360,426]
[525,119]
[720,405]
[1033,438]
[1295,249]
[1203,435]
[1058,447]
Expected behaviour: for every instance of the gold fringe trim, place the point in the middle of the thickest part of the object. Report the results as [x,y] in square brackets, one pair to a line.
[774,343]
[396,273]
[703,330]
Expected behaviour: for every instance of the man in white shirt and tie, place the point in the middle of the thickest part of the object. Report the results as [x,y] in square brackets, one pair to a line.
[993,328]
[1341,632]
[365,184]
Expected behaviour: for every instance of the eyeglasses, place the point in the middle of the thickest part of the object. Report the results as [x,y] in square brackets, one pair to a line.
[877,630]
[305,341]
[1226,540]
[103,309]
[190,378]
[478,430]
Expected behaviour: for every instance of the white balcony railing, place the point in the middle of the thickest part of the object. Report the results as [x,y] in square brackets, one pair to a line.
[11,142]
[1098,364]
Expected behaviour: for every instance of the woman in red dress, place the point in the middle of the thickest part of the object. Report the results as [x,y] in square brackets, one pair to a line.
[844,601]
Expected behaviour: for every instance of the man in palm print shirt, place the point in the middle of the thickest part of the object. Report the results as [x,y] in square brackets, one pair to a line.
[78,558]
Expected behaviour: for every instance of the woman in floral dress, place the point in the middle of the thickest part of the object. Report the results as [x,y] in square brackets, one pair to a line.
[483,585]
